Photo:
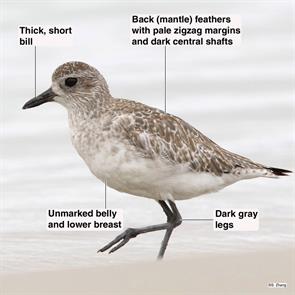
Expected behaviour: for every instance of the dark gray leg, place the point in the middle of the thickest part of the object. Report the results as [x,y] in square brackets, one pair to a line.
[173,220]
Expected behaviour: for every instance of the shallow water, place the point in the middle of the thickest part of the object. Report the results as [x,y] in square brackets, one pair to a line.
[239,97]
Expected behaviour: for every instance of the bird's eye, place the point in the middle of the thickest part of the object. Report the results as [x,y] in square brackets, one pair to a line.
[70,82]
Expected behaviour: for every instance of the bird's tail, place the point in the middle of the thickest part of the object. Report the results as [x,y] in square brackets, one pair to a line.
[278,171]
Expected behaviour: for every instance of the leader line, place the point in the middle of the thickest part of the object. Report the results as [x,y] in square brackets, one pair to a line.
[197,219]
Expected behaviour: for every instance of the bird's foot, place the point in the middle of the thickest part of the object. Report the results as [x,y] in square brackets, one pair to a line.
[120,240]
[173,220]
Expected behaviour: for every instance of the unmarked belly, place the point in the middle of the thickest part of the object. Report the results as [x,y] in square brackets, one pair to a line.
[155,178]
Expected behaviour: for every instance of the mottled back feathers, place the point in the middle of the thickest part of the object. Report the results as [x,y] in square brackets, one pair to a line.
[158,134]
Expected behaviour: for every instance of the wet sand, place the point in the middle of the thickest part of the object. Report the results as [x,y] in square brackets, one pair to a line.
[240,273]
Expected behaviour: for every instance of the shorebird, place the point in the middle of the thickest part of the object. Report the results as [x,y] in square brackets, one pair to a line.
[141,150]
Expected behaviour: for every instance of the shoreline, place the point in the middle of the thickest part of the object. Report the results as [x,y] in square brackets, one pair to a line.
[224,273]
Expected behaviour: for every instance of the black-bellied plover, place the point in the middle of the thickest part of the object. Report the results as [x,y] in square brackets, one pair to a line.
[142,150]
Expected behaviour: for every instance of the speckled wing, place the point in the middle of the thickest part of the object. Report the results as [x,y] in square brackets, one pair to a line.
[157,134]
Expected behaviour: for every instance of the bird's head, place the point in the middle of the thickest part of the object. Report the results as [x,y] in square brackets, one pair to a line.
[74,85]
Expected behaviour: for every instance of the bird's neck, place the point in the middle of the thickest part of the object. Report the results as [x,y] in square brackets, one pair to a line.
[81,117]
[92,109]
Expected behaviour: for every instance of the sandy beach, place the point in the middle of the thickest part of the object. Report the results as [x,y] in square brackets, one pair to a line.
[244,273]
